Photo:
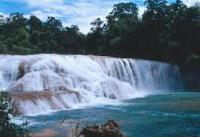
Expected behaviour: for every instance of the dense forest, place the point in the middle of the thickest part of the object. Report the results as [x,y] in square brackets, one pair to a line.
[166,31]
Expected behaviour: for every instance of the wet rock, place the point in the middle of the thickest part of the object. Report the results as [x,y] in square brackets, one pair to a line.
[110,129]
[41,101]
[21,70]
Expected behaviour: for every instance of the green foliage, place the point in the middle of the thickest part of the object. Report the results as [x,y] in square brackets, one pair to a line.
[95,40]
[166,31]
[7,128]
[121,20]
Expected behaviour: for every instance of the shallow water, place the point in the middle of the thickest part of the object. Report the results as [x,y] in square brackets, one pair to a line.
[174,114]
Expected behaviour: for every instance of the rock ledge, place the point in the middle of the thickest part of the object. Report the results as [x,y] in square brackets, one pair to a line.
[110,129]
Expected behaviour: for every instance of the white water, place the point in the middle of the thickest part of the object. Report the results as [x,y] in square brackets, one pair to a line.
[92,79]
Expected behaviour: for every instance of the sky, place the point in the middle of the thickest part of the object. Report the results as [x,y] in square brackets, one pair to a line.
[70,12]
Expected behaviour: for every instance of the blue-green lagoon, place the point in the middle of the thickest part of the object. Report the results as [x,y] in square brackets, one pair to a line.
[174,114]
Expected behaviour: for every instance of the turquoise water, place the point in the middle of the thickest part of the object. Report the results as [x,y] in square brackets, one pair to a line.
[161,115]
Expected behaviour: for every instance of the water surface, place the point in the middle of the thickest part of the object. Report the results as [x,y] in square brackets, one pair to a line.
[163,115]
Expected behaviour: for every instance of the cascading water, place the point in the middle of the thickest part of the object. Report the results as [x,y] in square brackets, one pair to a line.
[42,83]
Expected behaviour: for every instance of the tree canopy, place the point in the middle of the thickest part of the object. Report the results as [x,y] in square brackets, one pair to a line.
[166,31]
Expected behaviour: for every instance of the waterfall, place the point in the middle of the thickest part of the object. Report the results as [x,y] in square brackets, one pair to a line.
[42,83]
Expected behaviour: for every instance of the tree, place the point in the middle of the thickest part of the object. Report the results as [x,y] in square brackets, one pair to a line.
[3,47]
[95,39]
[21,43]
[16,21]
[122,11]
[97,25]
[154,29]
[2,20]
[53,24]
[122,20]
[47,38]
[156,10]
[73,40]
[35,30]
[35,24]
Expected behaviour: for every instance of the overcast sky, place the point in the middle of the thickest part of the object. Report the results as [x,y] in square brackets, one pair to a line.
[71,12]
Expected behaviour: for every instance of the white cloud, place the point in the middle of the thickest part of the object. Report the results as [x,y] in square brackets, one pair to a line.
[3,14]
[83,13]
[79,12]
[44,3]
[190,2]
[141,10]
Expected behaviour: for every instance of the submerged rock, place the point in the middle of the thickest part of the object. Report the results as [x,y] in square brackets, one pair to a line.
[110,129]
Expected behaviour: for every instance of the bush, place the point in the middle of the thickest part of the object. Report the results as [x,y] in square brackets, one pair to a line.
[7,128]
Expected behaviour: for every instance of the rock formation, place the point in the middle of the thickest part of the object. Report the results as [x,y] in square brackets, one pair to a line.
[110,129]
